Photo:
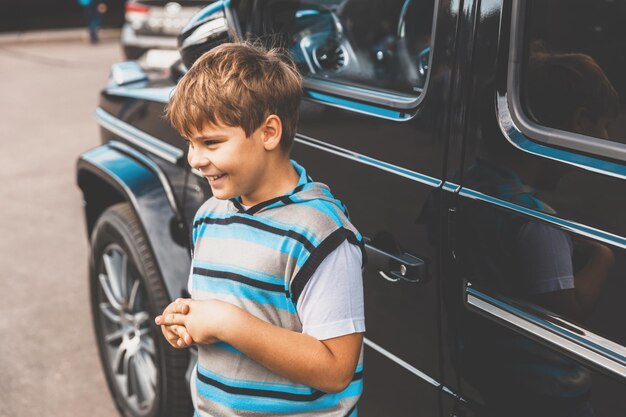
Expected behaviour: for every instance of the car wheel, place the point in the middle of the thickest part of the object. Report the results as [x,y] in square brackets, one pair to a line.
[145,375]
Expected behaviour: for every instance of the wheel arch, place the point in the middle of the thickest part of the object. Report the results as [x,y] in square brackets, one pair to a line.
[113,173]
[98,194]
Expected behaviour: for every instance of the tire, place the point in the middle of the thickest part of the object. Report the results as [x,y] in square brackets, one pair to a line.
[145,375]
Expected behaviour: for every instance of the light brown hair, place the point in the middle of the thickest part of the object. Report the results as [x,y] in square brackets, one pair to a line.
[238,85]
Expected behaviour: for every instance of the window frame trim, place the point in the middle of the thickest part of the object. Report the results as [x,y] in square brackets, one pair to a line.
[512,116]
[384,98]
[550,330]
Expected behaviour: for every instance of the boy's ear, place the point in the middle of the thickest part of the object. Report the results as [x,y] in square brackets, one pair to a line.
[272,130]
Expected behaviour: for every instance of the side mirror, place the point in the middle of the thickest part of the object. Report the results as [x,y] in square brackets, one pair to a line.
[210,27]
[124,73]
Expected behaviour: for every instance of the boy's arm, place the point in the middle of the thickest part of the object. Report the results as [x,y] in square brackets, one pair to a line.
[326,365]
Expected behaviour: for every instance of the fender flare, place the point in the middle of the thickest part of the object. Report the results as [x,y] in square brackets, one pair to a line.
[115,172]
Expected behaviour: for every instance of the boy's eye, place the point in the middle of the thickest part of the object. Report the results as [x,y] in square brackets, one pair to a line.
[210,142]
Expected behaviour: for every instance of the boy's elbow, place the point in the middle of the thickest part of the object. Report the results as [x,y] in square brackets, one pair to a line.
[336,385]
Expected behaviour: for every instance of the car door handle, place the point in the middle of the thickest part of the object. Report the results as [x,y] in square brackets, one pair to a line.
[396,266]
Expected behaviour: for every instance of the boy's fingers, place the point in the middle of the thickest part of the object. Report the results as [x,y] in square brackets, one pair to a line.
[177,306]
[170,307]
[172,319]
[185,341]
[180,307]
[183,335]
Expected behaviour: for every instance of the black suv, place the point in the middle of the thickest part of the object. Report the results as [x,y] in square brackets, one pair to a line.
[480,148]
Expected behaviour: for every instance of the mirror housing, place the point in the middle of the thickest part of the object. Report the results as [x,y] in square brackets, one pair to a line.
[210,27]
[128,72]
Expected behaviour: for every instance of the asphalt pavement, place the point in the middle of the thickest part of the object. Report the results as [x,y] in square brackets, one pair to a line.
[48,358]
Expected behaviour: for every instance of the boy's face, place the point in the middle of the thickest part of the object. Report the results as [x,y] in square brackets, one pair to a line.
[233,164]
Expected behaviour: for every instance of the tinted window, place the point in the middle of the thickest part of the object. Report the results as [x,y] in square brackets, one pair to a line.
[574,61]
[372,43]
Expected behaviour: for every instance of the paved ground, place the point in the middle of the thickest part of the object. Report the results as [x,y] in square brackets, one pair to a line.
[56,35]
[48,359]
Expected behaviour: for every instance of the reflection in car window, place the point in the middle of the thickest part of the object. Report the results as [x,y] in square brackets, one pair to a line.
[572,67]
[383,44]
[545,267]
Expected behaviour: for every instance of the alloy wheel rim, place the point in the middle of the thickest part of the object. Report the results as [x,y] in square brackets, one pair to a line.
[126,335]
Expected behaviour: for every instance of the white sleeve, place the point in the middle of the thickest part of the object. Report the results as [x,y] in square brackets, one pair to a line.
[331,304]
[546,258]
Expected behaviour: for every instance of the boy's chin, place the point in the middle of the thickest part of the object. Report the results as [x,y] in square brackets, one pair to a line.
[222,194]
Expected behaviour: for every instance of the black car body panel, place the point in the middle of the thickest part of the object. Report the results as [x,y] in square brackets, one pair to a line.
[447,167]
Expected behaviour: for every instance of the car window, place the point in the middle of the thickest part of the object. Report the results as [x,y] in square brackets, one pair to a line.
[574,58]
[368,43]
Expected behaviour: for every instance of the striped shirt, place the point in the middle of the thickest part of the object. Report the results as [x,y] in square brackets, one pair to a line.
[260,260]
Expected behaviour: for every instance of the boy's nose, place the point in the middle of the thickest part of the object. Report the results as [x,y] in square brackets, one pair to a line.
[196,159]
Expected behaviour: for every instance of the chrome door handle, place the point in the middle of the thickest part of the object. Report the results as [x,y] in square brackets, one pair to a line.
[396,266]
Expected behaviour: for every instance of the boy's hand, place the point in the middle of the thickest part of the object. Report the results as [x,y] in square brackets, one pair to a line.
[203,320]
[176,335]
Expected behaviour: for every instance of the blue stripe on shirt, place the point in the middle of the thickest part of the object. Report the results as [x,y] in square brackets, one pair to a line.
[264,219]
[256,275]
[272,386]
[250,234]
[274,405]
[258,295]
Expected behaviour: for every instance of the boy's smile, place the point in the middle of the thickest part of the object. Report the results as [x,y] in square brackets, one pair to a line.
[253,168]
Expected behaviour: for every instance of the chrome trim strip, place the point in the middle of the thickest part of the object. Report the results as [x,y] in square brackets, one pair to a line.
[571,226]
[519,129]
[452,187]
[138,137]
[349,104]
[169,192]
[401,362]
[394,169]
[397,101]
[411,368]
[514,136]
[582,343]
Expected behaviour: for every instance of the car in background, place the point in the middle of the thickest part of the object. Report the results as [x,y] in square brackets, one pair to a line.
[150,29]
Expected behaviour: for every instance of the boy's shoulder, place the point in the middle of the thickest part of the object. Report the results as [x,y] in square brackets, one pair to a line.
[314,209]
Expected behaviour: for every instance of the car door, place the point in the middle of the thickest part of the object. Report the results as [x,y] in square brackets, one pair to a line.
[539,194]
[372,127]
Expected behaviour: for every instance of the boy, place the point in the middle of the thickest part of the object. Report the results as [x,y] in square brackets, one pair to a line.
[276,304]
